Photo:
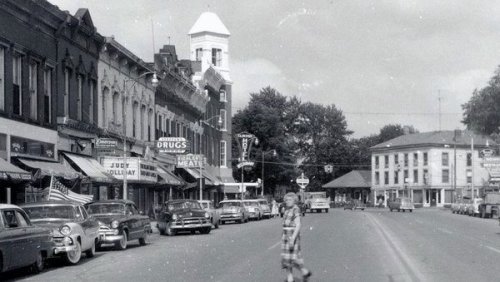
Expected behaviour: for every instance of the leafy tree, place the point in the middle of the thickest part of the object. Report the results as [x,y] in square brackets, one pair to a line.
[482,112]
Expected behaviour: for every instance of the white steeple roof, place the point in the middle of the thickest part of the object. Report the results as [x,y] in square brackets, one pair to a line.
[209,22]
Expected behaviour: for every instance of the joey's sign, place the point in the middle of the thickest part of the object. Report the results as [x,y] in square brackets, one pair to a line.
[172,145]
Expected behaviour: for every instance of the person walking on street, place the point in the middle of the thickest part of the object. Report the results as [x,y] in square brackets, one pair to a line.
[291,256]
[274,208]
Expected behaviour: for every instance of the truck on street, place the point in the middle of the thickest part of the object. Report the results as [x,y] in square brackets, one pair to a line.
[490,206]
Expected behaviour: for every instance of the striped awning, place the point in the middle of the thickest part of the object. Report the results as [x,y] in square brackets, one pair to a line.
[10,171]
[91,168]
[168,177]
[51,168]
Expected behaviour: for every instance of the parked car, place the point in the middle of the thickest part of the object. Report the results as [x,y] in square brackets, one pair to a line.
[355,205]
[265,207]
[209,207]
[473,207]
[73,230]
[22,243]
[183,215]
[455,207]
[233,210]
[401,204]
[120,222]
[254,209]
[462,207]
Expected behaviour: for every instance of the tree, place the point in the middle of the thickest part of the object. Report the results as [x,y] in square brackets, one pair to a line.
[392,131]
[482,112]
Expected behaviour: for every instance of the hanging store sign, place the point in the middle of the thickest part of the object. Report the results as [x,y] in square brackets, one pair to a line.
[492,165]
[105,143]
[191,161]
[172,145]
[136,168]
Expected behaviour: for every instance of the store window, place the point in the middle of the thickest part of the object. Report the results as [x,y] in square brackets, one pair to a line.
[22,146]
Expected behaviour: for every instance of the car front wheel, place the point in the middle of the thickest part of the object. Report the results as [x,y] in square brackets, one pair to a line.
[73,257]
[91,252]
[205,230]
[39,264]
[122,244]
[144,239]
[169,231]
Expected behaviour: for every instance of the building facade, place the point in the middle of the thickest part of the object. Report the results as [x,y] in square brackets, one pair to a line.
[432,168]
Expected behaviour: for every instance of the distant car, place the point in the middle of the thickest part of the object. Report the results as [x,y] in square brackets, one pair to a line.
[254,209]
[463,205]
[265,207]
[73,230]
[355,205]
[183,215]
[120,222]
[473,207]
[401,204]
[233,210]
[22,243]
[455,207]
[209,207]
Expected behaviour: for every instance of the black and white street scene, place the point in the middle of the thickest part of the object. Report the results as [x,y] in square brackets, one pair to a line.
[265,140]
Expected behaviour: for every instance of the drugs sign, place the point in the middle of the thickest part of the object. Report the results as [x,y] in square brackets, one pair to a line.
[172,145]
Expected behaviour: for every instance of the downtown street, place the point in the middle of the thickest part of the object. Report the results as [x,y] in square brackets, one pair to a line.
[370,245]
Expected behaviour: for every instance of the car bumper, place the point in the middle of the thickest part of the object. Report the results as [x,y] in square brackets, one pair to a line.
[109,239]
[191,226]
[63,249]
[231,217]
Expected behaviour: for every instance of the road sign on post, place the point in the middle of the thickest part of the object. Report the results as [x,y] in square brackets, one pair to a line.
[302,181]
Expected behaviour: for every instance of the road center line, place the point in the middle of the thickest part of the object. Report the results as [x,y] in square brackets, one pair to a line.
[493,249]
[274,246]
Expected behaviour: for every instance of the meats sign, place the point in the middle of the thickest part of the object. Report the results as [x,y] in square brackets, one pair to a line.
[172,145]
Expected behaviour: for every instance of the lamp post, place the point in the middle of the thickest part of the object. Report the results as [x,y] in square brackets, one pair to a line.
[202,161]
[273,151]
[154,83]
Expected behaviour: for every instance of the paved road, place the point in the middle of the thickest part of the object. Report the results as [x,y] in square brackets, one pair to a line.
[370,245]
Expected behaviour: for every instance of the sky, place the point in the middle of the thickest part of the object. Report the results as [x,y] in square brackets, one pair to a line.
[380,62]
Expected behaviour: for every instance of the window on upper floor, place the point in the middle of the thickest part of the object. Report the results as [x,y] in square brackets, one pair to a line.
[223,148]
[377,178]
[445,176]
[79,99]
[222,97]
[405,160]
[67,74]
[415,159]
[386,177]
[386,161]
[469,159]
[376,162]
[396,160]
[426,176]
[468,174]
[216,57]
[199,54]
[92,94]
[33,88]
[426,158]
[405,176]
[415,176]
[396,177]
[47,94]
[116,105]
[17,88]
[445,159]
[223,118]
[2,79]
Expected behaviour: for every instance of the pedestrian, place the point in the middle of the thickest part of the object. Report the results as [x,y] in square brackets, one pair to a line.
[274,208]
[290,241]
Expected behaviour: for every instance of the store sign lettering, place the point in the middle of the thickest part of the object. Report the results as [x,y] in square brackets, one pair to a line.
[176,145]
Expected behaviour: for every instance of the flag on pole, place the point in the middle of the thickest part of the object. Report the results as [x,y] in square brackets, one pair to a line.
[58,192]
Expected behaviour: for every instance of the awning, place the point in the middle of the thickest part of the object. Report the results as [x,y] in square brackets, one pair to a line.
[91,168]
[10,171]
[168,177]
[209,179]
[231,189]
[51,168]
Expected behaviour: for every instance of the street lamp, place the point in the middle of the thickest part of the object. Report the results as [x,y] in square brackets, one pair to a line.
[273,151]
[154,83]
[202,161]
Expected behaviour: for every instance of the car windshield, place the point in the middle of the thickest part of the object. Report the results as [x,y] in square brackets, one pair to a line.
[204,205]
[230,204]
[107,208]
[50,212]
[317,196]
[183,205]
[252,204]
[263,202]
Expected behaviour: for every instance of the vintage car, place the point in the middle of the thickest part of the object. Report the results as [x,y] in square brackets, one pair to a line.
[22,243]
[462,208]
[183,215]
[120,222]
[316,201]
[455,207]
[73,230]
[265,207]
[233,210]
[473,207]
[254,209]
[401,204]
[355,205]
[209,207]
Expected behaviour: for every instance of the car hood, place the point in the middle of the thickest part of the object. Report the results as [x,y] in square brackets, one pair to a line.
[51,224]
[189,213]
[230,209]
[108,218]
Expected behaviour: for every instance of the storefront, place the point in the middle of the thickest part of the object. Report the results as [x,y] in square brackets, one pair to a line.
[141,174]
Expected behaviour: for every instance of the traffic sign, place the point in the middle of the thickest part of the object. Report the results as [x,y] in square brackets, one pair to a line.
[302,181]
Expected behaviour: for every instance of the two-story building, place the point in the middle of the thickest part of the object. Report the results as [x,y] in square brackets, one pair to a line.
[432,168]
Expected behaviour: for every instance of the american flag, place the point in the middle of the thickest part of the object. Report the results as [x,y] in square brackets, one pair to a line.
[58,192]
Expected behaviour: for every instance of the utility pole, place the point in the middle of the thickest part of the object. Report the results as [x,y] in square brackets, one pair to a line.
[472,159]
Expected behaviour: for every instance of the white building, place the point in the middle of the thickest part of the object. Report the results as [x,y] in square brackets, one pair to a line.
[422,166]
